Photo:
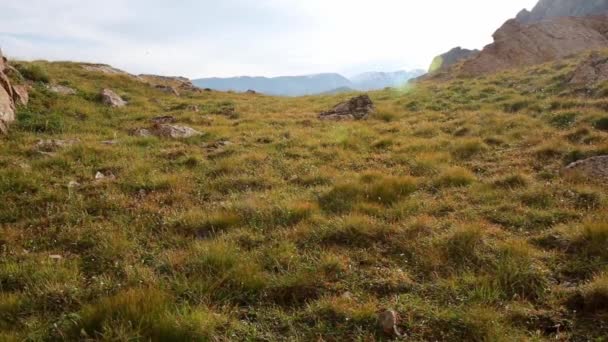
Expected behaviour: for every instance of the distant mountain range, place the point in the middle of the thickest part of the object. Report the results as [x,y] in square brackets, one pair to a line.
[309,84]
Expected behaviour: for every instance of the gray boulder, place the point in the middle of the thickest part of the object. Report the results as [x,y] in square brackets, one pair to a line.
[357,108]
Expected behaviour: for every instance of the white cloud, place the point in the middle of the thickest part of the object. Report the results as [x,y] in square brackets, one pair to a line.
[234,37]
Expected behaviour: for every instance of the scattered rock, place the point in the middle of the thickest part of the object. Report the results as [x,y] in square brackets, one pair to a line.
[174,131]
[594,168]
[141,132]
[21,94]
[163,119]
[73,184]
[110,142]
[112,99]
[388,320]
[167,89]
[217,145]
[55,257]
[52,145]
[591,71]
[105,69]
[357,108]
[193,108]
[104,176]
[60,89]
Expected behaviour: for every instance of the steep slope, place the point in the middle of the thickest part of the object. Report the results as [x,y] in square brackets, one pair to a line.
[546,9]
[449,206]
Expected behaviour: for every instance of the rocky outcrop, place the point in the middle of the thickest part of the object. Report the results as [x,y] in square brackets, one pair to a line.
[167,89]
[169,84]
[110,98]
[61,90]
[105,69]
[546,9]
[161,128]
[52,145]
[519,45]
[10,96]
[594,168]
[174,131]
[590,72]
[357,108]
[450,58]
[21,94]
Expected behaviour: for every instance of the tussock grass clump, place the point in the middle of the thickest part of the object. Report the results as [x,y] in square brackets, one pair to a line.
[601,124]
[356,231]
[370,188]
[513,181]
[200,224]
[33,72]
[146,313]
[595,294]
[563,120]
[591,239]
[468,149]
[464,247]
[454,177]
[517,273]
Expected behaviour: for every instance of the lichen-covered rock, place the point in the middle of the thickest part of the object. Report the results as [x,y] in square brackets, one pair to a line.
[52,145]
[357,108]
[594,168]
[112,99]
[174,131]
[62,90]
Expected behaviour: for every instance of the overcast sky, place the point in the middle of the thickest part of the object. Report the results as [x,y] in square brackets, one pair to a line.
[202,38]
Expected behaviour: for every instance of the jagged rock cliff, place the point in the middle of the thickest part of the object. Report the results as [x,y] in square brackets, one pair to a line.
[546,9]
[450,58]
[517,44]
[7,97]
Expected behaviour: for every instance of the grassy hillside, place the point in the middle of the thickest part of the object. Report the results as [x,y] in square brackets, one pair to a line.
[447,206]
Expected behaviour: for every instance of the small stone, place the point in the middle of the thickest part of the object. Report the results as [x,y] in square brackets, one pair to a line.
[73,184]
[388,320]
[56,257]
[110,98]
[52,145]
[103,176]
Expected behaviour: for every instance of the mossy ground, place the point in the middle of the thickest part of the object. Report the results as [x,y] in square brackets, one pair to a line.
[447,206]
